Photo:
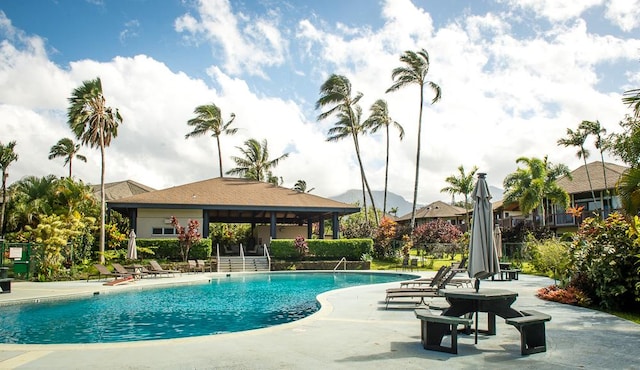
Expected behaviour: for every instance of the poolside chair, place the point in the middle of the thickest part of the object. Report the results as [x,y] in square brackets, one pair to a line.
[428,281]
[155,266]
[121,270]
[422,293]
[201,264]
[192,265]
[104,271]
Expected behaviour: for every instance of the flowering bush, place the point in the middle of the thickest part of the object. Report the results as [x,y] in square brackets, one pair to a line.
[301,245]
[570,295]
[187,237]
[383,236]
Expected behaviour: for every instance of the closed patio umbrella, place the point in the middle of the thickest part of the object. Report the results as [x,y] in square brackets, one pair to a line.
[132,252]
[497,239]
[483,256]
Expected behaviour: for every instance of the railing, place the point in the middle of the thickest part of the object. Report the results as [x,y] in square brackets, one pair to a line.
[217,257]
[266,254]
[344,259]
[243,260]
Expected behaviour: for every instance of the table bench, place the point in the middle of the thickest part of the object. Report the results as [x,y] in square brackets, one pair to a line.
[434,327]
[5,285]
[532,331]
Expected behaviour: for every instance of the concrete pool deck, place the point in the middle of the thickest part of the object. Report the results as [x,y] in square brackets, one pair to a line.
[351,331]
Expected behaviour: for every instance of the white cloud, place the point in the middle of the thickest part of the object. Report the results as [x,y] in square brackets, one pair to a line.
[624,13]
[556,10]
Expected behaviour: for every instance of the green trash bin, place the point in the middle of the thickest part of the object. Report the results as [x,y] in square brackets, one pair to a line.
[20,267]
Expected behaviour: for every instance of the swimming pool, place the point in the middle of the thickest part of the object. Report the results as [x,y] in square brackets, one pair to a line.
[227,304]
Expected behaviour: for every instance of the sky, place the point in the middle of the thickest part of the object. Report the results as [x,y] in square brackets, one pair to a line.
[514,75]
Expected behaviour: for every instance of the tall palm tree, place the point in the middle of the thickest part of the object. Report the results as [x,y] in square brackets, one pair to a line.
[68,149]
[462,184]
[301,186]
[577,139]
[595,129]
[629,191]
[209,119]
[335,93]
[94,124]
[414,72]
[255,163]
[8,155]
[536,182]
[378,119]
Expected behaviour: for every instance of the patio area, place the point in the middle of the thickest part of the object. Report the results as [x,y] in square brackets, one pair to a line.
[351,331]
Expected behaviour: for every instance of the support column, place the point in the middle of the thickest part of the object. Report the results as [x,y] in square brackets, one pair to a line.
[273,225]
[335,225]
[205,224]
[321,228]
[309,228]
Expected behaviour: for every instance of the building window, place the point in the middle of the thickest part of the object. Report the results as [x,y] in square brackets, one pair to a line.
[163,231]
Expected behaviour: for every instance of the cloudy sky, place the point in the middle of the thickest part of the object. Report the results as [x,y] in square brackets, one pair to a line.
[514,74]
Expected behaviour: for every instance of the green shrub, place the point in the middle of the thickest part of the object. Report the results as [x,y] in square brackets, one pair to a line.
[169,249]
[322,249]
[605,258]
[550,257]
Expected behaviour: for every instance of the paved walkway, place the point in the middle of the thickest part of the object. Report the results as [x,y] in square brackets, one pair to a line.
[351,331]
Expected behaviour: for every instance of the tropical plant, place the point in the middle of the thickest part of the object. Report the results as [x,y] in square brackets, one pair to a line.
[209,119]
[577,139]
[255,163]
[605,255]
[336,94]
[626,146]
[301,246]
[301,187]
[187,237]
[437,232]
[599,132]
[94,124]
[414,72]
[31,197]
[7,156]
[462,184]
[536,183]
[383,238]
[550,256]
[378,119]
[67,149]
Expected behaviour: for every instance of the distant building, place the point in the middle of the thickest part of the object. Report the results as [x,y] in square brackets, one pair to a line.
[437,210]
[120,189]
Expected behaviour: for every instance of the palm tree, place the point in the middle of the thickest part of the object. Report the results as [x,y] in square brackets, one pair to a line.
[335,92]
[68,149]
[629,192]
[301,186]
[532,185]
[577,139]
[31,197]
[94,124]
[380,118]
[595,129]
[7,156]
[255,163]
[462,184]
[632,98]
[414,72]
[209,119]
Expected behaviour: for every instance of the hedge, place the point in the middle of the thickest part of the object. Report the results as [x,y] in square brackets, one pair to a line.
[169,249]
[322,249]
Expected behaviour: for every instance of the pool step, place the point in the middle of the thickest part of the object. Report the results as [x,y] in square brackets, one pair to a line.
[236,264]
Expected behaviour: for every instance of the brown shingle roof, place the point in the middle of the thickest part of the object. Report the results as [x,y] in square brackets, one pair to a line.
[121,189]
[234,193]
[437,209]
[580,182]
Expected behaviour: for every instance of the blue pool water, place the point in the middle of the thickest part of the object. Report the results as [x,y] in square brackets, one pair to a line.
[227,304]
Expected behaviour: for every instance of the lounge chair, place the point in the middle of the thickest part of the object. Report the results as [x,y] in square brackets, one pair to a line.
[104,271]
[422,293]
[121,270]
[155,266]
[192,265]
[429,281]
[201,264]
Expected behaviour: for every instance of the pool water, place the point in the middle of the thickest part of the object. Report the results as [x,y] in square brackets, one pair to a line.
[227,304]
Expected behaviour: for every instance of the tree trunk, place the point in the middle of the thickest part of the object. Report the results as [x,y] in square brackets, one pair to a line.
[415,186]
[4,202]
[386,177]
[102,200]
[219,155]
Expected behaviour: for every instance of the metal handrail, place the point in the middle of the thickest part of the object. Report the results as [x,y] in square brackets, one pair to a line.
[265,251]
[344,259]
[242,255]
[217,257]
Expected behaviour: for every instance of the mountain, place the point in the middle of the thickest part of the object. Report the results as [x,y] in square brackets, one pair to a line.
[393,200]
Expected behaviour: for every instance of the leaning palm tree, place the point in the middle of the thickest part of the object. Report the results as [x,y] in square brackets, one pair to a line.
[414,72]
[8,155]
[577,139]
[595,129]
[255,163]
[462,184]
[378,119]
[67,149]
[335,93]
[536,182]
[209,119]
[94,124]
